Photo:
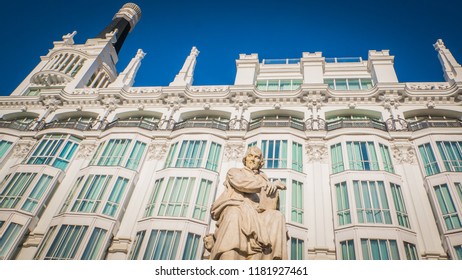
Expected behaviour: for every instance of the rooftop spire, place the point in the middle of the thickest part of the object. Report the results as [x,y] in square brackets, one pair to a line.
[123,21]
[451,68]
[185,76]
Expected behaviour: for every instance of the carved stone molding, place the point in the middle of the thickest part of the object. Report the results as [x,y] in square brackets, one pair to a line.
[428,86]
[174,102]
[198,89]
[120,245]
[404,153]
[313,102]
[110,102]
[51,102]
[234,151]
[316,151]
[22,148]
[33,240]
[241,101]
[157,150]
[86,150]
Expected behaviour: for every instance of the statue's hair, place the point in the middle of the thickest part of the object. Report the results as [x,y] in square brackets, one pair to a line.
[256,150]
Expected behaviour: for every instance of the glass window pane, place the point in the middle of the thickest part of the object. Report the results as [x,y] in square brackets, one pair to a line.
[353,84]
[95,244]
[366,83]
[66,243]
[340,84]
[8,239]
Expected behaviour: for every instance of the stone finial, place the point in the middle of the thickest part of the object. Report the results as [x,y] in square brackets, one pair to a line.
[185,76]
[439,45]
[127,77]
[194,52]
[68,39]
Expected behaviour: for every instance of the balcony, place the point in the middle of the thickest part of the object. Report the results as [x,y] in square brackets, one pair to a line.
[215,124]
[78,125]
[427,123]
[290,122]
[359,123]
[141,123]
[15,125]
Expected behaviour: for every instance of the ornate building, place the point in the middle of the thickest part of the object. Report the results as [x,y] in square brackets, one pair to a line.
[92,167]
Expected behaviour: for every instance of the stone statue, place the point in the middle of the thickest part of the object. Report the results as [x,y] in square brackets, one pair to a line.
[248,225]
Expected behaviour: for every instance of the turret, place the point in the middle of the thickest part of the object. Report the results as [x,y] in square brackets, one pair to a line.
[123,22]
[69,66]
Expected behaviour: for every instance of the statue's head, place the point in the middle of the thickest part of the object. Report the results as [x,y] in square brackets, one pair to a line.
[253,158]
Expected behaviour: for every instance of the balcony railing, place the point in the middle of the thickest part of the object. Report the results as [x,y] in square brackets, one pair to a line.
[281,61]
[78,125]
[427,123]
[15,125]
[343,59]
[201,124]
[145,124]
[277,123]
[366,123]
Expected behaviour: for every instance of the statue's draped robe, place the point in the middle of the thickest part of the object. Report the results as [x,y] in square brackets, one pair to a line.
[242,224]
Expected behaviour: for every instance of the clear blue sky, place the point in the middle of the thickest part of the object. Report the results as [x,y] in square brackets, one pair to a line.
[221,30]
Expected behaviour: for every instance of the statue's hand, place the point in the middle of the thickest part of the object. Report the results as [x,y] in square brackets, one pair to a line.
[280,185]
[271,188]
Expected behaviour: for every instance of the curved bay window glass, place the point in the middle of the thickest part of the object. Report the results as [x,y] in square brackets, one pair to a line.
[379,249]
[162,245]
[191,154]
[400,207]
[296,248]
[8,239]
[448,209]
[56,150]
[371,202]
[66,243]
[4,147]
[191,246]
[348,250]
[73,242]
[343,204]
[429,160]
[97,194]
[119,152]
[274,153]
[336,155]
[458,250]
[451,153]
[18,193]
[362,155]
[172,197]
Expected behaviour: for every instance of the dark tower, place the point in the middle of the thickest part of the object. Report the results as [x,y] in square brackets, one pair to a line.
[124,21]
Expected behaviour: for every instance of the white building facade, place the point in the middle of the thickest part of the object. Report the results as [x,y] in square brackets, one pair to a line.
[92,167]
